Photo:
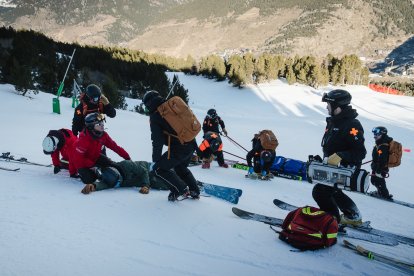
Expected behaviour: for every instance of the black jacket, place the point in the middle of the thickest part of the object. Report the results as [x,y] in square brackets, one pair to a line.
[78,122]
[380,154]
[344,136]
[213,124]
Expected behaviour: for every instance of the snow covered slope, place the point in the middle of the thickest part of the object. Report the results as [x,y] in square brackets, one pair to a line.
[49,228]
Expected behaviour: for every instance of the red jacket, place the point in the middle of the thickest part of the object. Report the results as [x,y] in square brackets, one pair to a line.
[64,147]
[87,149]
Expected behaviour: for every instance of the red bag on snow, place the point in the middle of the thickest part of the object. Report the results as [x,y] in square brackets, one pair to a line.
[309,228]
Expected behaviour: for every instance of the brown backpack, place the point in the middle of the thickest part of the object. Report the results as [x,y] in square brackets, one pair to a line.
[180,117]
[395,154]
[268,139]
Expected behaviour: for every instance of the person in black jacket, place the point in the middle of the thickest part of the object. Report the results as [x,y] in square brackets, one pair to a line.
[170,166]
[262,159]
[210,147]
[379,165]
[212,123]
[91,101]
[342,144]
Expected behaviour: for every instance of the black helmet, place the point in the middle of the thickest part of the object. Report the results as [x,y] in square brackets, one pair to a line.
[212,113]
[94,118]
[111,176]
[149,95]
[152,99]
[93,92]
[337,97]
[266,156]
[379,130]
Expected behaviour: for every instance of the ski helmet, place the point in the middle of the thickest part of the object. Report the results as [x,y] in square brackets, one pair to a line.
[93,92]
[149,95]
[379,130]
[212,113]
[266,156]
[50,144]
[111,176]
[152,99]
[94,118]
[337,97]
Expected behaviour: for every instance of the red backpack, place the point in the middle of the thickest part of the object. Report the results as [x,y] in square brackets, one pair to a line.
[309,228]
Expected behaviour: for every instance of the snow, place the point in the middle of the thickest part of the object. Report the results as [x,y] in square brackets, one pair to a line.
[49,228]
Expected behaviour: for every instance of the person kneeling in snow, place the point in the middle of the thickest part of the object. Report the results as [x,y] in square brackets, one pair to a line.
[127,173]
[87,155]
[262,160]
[60,142]
[210,146]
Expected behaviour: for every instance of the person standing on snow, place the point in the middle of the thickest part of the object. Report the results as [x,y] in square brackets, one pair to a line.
[262,159]
[86,155]
[90,102]
[60,142]
[210,147]
[342,144]
[172,165]
[379,165]
[212,122]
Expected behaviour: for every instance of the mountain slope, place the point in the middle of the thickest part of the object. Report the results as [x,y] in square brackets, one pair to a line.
[196,27]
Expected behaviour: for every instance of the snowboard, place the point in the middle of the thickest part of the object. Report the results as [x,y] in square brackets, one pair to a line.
[229,194]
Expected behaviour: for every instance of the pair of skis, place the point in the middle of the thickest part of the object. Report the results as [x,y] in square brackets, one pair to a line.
[365,232]
[7,157]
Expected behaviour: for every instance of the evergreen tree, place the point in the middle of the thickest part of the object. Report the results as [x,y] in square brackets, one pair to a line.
[21,76]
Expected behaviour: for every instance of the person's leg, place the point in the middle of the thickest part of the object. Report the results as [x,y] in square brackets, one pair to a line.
[323,195]
[347,205]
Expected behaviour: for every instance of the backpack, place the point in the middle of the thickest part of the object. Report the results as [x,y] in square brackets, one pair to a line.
[395,154]
[180,117]
[268,139]
[289,166]
[309,228]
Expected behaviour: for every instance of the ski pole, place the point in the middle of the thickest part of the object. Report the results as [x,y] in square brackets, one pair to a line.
[234,142]
[234,155]
[366,162]
[172,88]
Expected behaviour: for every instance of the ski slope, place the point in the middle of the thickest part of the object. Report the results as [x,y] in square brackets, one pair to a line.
[47,227]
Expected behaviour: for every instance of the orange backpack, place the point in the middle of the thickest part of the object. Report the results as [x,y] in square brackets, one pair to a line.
[395,154]
[180,117]
[268,139]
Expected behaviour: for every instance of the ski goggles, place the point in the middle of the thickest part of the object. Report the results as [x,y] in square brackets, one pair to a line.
[376,131]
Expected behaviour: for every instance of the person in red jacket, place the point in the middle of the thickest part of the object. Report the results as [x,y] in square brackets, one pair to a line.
[60,143]
[87,155]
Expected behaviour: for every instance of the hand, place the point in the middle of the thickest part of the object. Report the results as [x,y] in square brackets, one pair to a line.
[334,160]
[56,169]
[104,99]
[74,175]
[225,131]
[251,170]
[89,188]
[144,190]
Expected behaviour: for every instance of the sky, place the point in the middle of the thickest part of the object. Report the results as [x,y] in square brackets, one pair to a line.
[49,228]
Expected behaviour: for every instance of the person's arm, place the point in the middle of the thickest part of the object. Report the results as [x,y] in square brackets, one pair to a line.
[383,152]
[157,137]
[109,110]
[355,140]
[111,144]
[78,120]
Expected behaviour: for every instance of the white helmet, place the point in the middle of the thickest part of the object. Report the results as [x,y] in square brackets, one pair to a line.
[50,144]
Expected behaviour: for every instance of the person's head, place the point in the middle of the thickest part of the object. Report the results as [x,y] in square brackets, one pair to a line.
[110,176]
[336,101]
[93,94]
[94,123]
[379,132]
[212,113]
[50,144]
[152,99]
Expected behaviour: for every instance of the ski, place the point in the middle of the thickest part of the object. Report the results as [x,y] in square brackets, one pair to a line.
[5,156]
[379,257]
[226,193]
[407,204]
[9,169]
[365,227]
[278,222]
